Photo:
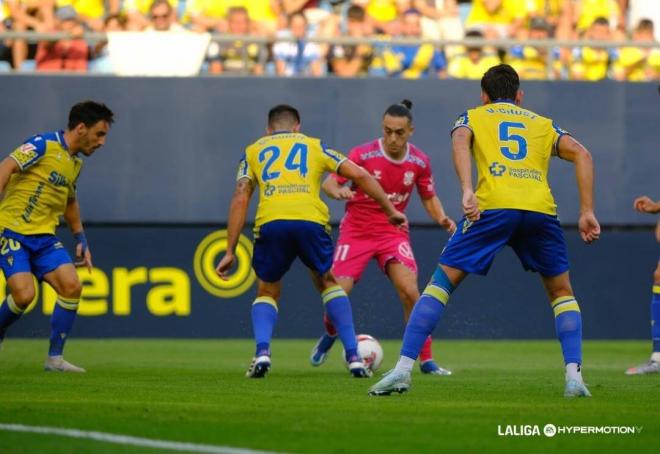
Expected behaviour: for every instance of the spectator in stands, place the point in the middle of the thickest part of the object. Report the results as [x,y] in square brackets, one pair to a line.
[414,61]
[66,54]
[91,12]
[382,14]
[644,9]
[236,57]
[589,63]
[298,58]
[440,20]
[23,16]
[162,19]
[137,12]
[497,18]
[587,11]
[474,62]
[101,58]
[531,63]
[637,64]
[352,60]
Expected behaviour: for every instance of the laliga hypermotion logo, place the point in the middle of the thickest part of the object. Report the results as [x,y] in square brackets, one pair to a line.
[207,256]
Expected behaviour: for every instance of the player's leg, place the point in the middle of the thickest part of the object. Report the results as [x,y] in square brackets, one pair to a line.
[351,256]
[274,252]
[65,282]
[15,264]
[264,318]
[20,295]
[653,365]
[471,249]
[338,307]
[327,340]
[540,245]
[568,326]
[404,279]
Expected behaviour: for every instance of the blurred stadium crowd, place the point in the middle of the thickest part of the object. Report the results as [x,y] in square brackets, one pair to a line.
[606,21]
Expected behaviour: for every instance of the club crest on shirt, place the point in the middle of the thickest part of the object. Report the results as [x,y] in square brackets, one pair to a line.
[408,178]
[377,174]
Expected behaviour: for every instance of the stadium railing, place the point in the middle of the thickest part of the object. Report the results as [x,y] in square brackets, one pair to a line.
[504,44]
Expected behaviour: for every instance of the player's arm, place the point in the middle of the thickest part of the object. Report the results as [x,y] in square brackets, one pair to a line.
[74,221]
[8,166]
[434,208]
[644,204]
[461,142]
[370,186]
[335,190]
[237,215]
[571,150]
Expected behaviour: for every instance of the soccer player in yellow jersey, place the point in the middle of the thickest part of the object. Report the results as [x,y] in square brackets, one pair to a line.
[38,181]
[512,206]
[644,204]
[286,167]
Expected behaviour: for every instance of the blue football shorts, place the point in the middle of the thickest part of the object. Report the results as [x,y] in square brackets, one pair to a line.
[278,243]
[36,254]
[536,238]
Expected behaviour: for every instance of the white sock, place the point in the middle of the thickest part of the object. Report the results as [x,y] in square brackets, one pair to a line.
[573,372]
[405,364]
[655,356]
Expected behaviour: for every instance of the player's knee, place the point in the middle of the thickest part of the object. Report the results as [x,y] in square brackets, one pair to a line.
[409,295]
[656,276]
[71,289]
[23,296]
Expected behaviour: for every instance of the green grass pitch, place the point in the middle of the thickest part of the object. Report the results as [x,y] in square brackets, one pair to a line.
[195,391]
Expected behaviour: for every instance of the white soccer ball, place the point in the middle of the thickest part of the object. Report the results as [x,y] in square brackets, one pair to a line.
[370,350]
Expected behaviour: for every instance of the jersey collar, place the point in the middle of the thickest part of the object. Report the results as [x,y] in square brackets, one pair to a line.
[504,100]
[60,138]
[386,156]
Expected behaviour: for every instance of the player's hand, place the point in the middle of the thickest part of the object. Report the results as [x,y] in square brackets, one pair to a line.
[448,224]
[83,255]
[398,218]
[589,227]
[471,206]
[224,267]
[643,204]
[343,193]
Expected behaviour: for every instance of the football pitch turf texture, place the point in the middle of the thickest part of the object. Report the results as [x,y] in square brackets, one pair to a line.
[195,391]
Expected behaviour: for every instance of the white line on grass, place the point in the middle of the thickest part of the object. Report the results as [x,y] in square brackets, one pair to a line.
[128,440]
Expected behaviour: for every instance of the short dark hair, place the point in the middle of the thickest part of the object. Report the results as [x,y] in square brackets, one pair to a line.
[237,10]
[601,21]
[500,82]
[645,25]
[157,3]
[403,109]
[89,113]
[283,113]
[355,13]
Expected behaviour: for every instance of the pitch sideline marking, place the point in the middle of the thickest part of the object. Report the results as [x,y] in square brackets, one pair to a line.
[129,440]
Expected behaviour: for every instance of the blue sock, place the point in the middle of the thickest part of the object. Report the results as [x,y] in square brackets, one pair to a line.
[338,308]
[9,313]
[426,314]
[264,318]
[655,318]
[568,324]
[61,323]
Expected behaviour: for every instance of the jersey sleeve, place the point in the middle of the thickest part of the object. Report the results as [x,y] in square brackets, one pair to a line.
[30,152]
[244,169]
[331,158]
[354,156]
[463,121]
[425,186]
[557,134]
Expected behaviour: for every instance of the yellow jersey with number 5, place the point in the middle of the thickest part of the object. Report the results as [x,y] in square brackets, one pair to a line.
[512,148]
[36,196]
[288,168]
